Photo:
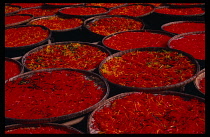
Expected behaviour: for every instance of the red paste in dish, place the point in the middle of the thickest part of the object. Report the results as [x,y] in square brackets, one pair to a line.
[38,12]
[131,40]
[181,4]
[141,113]
[50,94]
[193,44]
[38,130]
[63,4]
[107,5]
[10,9]
[132,10]
[202,85]
[184,27]
[57,23]
[107,26]
[28,5]
[11,69]
[22,36]
[180,11]
[15,19]
[83,11]
[148,69]
[72,55]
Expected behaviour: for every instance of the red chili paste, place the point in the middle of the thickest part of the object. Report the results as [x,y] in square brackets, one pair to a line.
[131,40]
[22,36]
[11,69]
[57,23]
[148,69]
[193,44]
[73,55]
[107,26]
[15,19]
[83,11]
[38,130]
[202,85]
[141,113]
[184,27]
[132,10]
[50,94]
[38,12]
[180,11]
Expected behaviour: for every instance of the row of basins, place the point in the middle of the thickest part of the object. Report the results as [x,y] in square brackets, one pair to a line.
[105,68]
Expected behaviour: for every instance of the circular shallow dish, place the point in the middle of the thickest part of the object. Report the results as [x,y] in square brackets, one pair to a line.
[21,50]
[150,89]
[28,5]
[97,18]
[156,4]
[198,79]
[153,4]
[40,11]
[93,129]
[144,30]
[184,4]
[70,130]
[126,8]
[98,81]
[183,35]
[31,45]
[179,8]
[24,58]
[18,8]
[106,5]
[21,67]
[62,17]
[61,5]
[180,22]
[20,22]
[106,10]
